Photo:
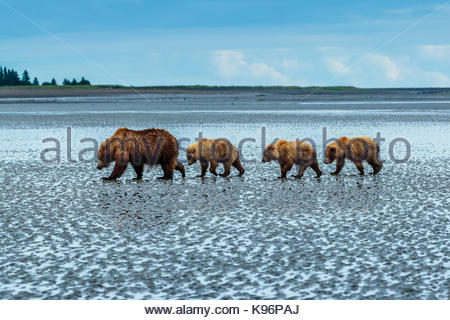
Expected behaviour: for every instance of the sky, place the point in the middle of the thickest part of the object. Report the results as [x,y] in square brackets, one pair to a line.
[394,43]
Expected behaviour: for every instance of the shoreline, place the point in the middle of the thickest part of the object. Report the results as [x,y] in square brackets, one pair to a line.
[310,93]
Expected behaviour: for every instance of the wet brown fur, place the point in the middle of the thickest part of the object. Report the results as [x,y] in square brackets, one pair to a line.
[295,152]
[140,147]
[357,150]
[211,152]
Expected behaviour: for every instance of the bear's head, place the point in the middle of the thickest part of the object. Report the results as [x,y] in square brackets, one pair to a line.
[105,155]
[331,153]
[270,153]
[336,150]
[192,153]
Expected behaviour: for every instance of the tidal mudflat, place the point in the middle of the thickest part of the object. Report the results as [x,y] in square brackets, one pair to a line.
[65,234]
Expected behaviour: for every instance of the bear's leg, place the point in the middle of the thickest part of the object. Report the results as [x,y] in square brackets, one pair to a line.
[180,168]
[204,165]
[168,171]
[237,164]
[379,167]
[360,167]
[285,167]
[301,171]
[376,165]
[315,167]
[227,169]
[377,161]
[138,169]
[339,165]
[119,169]
[213,167]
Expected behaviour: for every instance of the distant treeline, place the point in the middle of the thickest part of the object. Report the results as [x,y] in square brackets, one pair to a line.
[10,77]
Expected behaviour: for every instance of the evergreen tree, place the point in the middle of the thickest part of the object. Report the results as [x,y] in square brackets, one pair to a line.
[12,78]
[9,77]
[84,82]
[25,78]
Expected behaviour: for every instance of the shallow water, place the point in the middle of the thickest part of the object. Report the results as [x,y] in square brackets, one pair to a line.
[65,234]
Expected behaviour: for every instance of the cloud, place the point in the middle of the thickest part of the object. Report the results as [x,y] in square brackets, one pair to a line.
[366,71]
[229,62]
[232,64]
[435,51]
[439,79]
[387,65]
[337,66]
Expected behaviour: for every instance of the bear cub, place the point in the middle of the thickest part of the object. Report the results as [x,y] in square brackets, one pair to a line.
[211,152]
[289,153]
[357,150]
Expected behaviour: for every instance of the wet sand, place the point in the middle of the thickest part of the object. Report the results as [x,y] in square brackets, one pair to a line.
[66,234]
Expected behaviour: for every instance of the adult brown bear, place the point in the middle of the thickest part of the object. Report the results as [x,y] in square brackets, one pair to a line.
[212,152]
[289,153]
[150,146]
[356,150]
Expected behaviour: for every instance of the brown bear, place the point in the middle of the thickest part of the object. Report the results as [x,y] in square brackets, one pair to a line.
[150,146]
[212,152]
[356,150]
[296,152]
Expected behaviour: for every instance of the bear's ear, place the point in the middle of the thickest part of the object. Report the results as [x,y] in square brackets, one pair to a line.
[343,139]
[121,130]
[333,149]
[270,147]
